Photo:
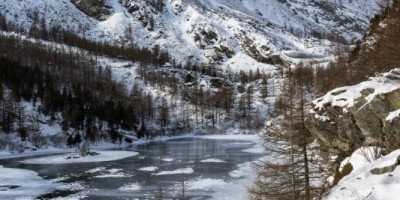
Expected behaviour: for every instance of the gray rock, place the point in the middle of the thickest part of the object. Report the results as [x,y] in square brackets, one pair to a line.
[387,169]
[344,130]
[94,8]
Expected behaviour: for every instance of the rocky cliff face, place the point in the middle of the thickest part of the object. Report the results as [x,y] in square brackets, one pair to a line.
[94,8]
[365,114]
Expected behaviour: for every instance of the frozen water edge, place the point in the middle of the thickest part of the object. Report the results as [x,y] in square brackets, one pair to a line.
[28,183]
[228,189]
[101,157]
[106,146]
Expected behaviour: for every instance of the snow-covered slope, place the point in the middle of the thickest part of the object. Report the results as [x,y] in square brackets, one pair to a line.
[362,184]
[230,33]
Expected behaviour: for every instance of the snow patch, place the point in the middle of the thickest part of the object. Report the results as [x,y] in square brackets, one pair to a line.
[148,169]
[177,171]
[167,159]
[97,169]
[116,175]
[393,115]
[212,160]
[347,96]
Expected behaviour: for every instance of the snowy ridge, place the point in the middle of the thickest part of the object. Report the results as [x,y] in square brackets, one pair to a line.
[206,31]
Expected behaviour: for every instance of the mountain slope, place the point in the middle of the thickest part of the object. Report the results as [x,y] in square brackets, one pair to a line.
[234,34]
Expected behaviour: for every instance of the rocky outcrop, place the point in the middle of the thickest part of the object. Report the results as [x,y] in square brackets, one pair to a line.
[260,53]
[386,169]
[94,8]
[365,114]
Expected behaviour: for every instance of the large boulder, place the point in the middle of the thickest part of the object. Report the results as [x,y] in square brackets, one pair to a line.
[347,118]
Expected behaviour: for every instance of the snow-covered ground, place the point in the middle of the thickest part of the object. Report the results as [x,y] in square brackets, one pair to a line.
[362,184]
[100,157]
[22,184]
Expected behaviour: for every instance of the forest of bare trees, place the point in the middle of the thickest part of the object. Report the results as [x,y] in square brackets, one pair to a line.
[65,83]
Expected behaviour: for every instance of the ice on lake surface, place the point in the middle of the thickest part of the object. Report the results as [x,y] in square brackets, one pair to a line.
[66,159]
[210,168]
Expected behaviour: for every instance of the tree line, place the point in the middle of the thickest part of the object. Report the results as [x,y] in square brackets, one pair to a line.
[124,50]
[80,109]
[66,86]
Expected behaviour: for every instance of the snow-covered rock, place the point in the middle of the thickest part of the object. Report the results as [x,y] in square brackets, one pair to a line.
[362,184]
[349,117]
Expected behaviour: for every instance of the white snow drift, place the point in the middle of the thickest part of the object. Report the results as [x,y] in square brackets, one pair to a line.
[362,184]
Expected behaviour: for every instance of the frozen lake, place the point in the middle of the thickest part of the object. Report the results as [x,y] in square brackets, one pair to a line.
[210,169]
